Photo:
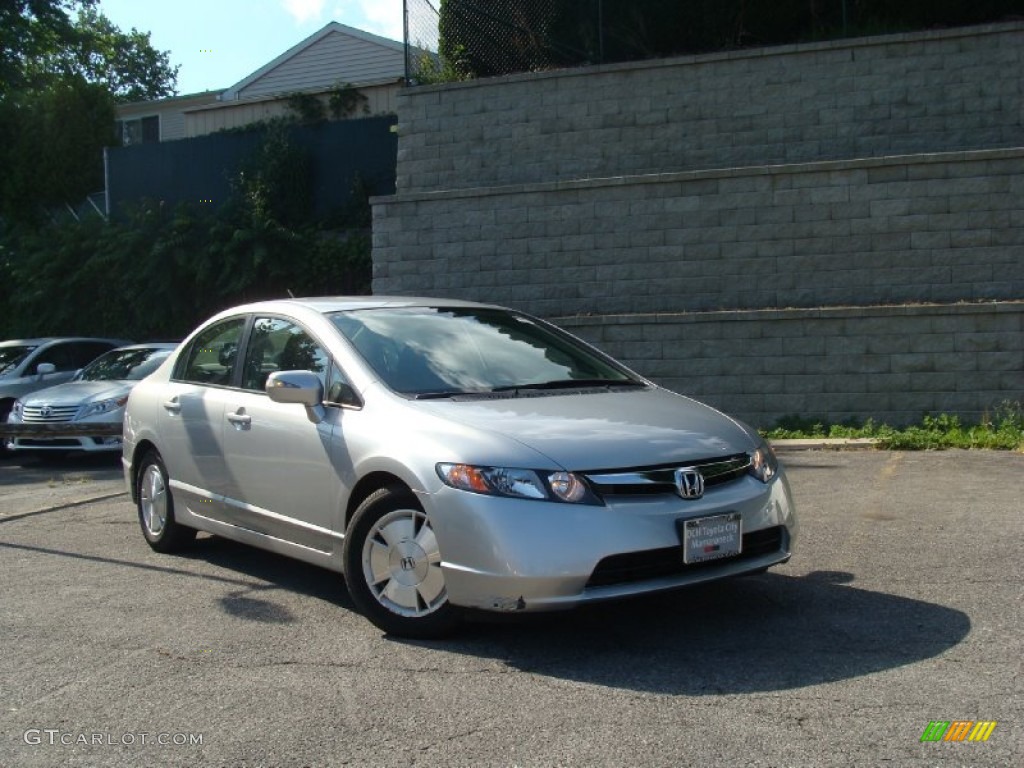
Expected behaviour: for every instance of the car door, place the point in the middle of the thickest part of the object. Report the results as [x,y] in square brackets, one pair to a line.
[191,418]
[279,464]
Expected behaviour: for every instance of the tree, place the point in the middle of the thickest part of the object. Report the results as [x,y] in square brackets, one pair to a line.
[53,146]
[125,63]
[29,29]
[61,78]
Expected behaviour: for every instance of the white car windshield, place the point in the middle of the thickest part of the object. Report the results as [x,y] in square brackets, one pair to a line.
[437,351]
[123,365]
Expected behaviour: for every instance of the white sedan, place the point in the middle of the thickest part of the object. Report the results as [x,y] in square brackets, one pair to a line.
[445,455]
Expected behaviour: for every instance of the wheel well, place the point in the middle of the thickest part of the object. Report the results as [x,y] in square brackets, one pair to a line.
[143,447]
[368,485]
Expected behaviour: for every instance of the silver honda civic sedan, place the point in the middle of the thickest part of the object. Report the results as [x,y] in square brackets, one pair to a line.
[446,455]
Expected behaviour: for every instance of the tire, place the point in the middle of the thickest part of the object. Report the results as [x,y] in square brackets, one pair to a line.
[393,567]
[156,508]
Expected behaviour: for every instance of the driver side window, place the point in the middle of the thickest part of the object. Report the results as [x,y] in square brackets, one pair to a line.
[280,345]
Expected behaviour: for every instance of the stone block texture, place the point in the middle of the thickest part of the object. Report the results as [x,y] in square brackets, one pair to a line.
[893,364]
[800,230]
[871,97]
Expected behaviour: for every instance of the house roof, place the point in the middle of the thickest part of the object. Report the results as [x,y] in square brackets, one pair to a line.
[181,102]
[331,28]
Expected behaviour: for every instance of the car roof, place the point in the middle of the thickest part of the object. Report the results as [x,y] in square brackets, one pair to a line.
[148,345]
[40,341]
[326,304]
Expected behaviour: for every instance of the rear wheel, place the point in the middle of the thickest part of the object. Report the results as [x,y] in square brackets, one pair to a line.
[156,508]
[393,567]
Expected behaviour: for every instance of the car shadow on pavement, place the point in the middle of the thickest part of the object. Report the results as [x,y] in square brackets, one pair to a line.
[756,634]
[762,633]
[279,573]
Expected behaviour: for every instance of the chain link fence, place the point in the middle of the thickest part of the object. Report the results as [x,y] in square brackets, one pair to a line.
[450,40]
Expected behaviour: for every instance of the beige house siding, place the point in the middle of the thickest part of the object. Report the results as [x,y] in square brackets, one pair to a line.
[380,100]
[332,56]
[170,111]
[335,58]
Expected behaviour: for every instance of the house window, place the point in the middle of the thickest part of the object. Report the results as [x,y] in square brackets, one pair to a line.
[143,130]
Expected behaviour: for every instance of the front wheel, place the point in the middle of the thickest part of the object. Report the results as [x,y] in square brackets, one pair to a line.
[393,567]
[156,508]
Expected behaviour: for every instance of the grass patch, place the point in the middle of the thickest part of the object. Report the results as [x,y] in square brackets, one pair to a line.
[1003,429]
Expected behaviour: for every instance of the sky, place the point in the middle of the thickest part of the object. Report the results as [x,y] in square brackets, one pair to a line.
[216,43]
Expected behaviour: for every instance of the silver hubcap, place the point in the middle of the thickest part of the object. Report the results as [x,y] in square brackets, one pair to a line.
[153,500]
[402,564]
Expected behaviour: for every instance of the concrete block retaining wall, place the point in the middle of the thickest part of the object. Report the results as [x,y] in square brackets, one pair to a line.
[833,230]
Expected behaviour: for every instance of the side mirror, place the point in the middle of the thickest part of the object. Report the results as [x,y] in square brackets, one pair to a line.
[299,387]
[44,369]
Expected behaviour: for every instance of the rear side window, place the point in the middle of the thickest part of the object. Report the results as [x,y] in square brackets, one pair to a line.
[213,354]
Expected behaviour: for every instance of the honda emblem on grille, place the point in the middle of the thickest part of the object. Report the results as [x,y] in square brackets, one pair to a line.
[46,411]
[689,483]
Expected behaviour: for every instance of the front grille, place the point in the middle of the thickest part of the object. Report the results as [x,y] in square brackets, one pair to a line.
[48,414]
[631,567]
[53,442]
[661,480]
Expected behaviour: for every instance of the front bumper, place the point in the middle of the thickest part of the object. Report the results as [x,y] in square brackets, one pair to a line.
[502,554]
[89,436]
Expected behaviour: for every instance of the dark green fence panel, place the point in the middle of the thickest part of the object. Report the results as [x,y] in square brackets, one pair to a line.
[199,170]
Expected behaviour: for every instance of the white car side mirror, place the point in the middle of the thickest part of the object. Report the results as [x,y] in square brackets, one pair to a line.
[302,387]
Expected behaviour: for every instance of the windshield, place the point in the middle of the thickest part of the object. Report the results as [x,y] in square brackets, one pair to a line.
[11,357]
[429,350]
[123,365]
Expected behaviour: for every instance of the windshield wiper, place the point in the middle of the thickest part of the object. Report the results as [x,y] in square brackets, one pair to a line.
[435,395]
[445,394]
[570,384]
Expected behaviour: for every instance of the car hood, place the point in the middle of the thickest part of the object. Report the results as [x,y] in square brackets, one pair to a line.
[75,392]
[605,430]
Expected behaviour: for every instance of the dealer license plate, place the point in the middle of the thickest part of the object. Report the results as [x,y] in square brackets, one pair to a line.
[712,538]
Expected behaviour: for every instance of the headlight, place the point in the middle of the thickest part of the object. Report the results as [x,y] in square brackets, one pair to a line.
[103,406]
[16,410]
[763,464]
[517,483]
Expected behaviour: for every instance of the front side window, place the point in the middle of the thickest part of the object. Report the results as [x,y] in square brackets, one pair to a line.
[11,357]
[280,345]
[213,353]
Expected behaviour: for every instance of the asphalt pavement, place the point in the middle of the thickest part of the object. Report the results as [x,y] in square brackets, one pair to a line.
[900,608]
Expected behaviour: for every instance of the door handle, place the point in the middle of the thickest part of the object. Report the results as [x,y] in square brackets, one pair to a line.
[240,419]
[172,405]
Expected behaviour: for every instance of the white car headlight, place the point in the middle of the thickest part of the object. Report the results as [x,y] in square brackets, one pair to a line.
[103,406]
[517,483]
[763,464]
[16,410]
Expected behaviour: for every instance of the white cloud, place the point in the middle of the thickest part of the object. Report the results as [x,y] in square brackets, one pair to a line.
[304,10]
[382,17]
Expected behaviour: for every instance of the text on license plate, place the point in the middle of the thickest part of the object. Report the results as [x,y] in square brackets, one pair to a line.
[711,538]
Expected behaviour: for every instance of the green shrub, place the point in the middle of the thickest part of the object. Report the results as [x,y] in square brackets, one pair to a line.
[1002,430]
